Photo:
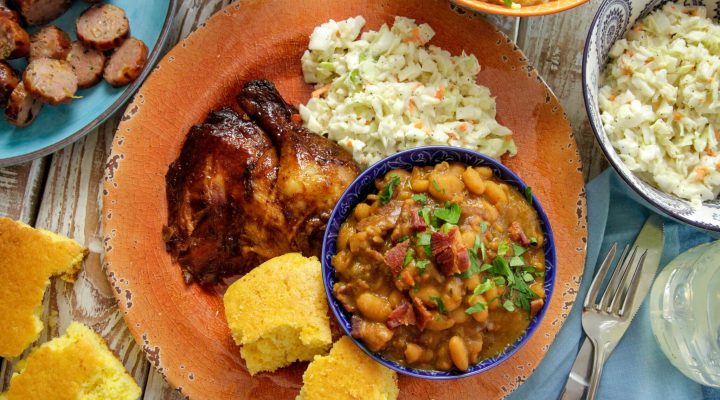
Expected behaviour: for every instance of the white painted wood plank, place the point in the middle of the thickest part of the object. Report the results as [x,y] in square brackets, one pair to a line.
[554,45]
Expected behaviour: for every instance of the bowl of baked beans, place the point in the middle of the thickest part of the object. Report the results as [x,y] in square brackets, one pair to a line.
[439,262]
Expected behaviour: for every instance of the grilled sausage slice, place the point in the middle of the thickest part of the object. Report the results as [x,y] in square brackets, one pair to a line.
[52,81]
[103,27]
[8,82]
[126,63]
[22,107]
[49,42]
[38,12]
[87,64]
[14,41]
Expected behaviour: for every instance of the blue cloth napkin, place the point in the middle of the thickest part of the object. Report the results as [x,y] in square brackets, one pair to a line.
[637,369]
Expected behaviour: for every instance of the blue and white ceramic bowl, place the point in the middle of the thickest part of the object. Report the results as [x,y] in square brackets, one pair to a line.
[613,19]
[364,185]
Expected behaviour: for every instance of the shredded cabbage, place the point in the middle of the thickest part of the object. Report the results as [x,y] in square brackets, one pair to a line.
[659,101]
[385,91]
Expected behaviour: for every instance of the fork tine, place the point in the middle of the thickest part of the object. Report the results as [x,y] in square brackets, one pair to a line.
[623,284]
[615,280]
[634,283]
[600,277]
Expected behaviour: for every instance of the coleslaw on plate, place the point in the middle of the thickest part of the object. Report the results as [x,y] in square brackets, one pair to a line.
[383,91]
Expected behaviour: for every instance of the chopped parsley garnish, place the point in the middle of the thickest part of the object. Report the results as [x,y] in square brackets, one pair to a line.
[387,191]
[517,261]
[483,287]
[409,255]
[440,304]
[424,213]
[449,214]
[528,195]
[518,250]
[422,264]
[509,305]
[483,226]
[424,240]
[436,186]
[480,306]
[502,249]
[420,198]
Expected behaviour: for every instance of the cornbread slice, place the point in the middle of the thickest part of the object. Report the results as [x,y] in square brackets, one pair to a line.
[348,373]
[278,313]
[77,365]
[28,258]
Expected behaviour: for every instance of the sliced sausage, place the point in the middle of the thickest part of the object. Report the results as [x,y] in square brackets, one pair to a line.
[87,63]
[126,63]
[22,107]
[38,12]
[8,82]
[103,27]
[53,81]
[14,41]
[49,42]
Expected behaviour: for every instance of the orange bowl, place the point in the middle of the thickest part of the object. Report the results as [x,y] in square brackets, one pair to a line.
[551,7]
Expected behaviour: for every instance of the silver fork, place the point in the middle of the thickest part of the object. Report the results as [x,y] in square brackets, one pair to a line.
[605,321]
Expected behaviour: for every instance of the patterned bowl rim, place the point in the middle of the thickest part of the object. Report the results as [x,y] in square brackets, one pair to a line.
[363,185]
[609,152]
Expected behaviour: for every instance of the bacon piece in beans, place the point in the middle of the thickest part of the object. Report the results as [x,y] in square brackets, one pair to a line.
[395,257]
[8,82]
[49,42]
[14,41]
[103,27]
[22,107]
[449,251]
[87,64]
[53,81]
[38,12]
[401,315]
[126,63]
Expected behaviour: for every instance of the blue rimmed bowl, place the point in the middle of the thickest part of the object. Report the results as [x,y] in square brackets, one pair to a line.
[364,185]
[613,19]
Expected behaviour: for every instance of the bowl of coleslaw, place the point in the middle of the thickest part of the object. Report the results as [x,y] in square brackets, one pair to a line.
[651,74]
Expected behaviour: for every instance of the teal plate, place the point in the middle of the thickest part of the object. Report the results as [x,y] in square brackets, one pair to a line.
[58,126]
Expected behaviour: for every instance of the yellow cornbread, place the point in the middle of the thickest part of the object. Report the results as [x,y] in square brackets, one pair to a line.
[348,373]
[278,313]
[78,365]
[28,258]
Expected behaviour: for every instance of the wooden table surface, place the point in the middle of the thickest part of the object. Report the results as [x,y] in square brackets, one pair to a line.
[62,192]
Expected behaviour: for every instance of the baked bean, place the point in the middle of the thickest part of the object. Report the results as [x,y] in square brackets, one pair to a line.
[444,186]
[484,172]
[458,353]
[480,316]
[362,210]
[373,307]
[420,185]
[494,193]
[440,323]
[473,181]
[412,352]
[469,239]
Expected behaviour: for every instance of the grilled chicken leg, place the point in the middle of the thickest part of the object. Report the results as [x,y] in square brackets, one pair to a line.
[314,171]
[223,217]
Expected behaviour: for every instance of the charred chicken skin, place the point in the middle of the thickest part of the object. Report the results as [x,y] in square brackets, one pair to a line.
[246,189]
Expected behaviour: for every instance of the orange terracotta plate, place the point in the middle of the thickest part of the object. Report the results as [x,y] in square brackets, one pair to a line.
[182,328]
